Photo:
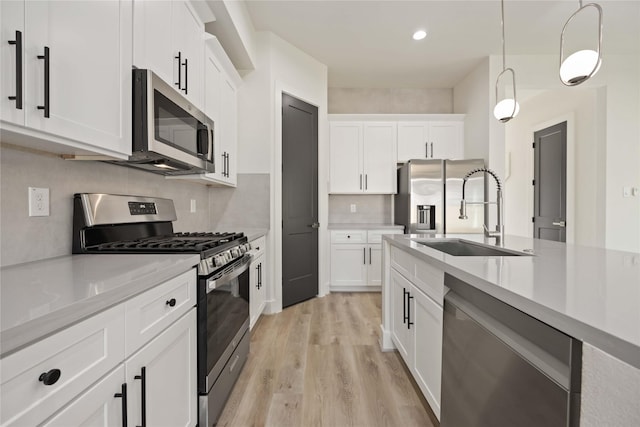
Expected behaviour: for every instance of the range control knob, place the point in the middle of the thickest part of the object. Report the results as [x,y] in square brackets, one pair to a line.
[235,252]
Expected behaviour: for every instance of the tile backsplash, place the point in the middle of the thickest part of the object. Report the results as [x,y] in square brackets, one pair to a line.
[25,238]
[370,209]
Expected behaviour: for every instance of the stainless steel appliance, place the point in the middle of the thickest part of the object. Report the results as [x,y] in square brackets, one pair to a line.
[501,367]
[429,195]
[107,223]
[170,135]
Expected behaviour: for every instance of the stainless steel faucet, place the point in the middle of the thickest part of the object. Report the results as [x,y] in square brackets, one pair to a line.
[499,232]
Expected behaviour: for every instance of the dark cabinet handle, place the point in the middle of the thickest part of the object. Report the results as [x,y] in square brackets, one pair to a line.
[426,150]
[51,377]
[366,184]
[260,275]
[179,58]
[369,256]
[364,255]
[409,322]
[404,305]
[47,60]
[186,77]
[171,302]
[432,150]
[18,43]
[123,396]
[143,387]
[228,165]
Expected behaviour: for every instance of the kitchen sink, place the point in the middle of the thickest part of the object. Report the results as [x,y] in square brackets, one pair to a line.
[459,247]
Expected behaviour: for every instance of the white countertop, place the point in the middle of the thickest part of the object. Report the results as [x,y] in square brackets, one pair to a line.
[363,226]
[592,294]
[41,297]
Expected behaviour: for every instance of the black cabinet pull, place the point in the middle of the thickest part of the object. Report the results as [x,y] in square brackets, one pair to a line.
[228,166]
[404,305]
[47,60]
[171,302]
[369,256]
[143,387]
[51,377]
[364,255]
[366,181]
[18,43]
[409,322]
[179,58]
[123,396]
[186,77]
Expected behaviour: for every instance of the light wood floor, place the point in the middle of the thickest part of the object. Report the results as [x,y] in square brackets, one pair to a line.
[319,363]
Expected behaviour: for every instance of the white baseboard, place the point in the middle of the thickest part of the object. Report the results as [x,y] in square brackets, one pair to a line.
[355,288]
[386,343]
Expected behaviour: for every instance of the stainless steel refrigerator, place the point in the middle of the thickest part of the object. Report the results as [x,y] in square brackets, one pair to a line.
[429,194]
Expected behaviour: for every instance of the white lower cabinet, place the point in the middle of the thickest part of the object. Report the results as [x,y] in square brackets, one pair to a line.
[356,258]
[416,321]
[81,375]
[257,281]
[161,378]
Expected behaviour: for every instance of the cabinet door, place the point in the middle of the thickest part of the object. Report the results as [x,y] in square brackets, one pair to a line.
[153,46]
[212,99]
[188,33]
[256,293]
[90,71]
[400,330]
[413,142]
[447,140]
[374,273]
[98,406]
[379,158]
[166,369]
[345,158]
[427,317]
[228,130]
[348,265]
[11,20]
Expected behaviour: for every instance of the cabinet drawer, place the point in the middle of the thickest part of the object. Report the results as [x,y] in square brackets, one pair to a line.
[430,280]
[375,236]
[151,312]
[82,353]
[349,236]
[259,245]
[403,262]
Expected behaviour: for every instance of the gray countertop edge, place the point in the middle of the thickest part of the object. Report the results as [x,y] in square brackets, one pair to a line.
[25,334]
[615,346]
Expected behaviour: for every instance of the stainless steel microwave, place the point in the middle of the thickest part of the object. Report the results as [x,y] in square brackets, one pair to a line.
[170,135]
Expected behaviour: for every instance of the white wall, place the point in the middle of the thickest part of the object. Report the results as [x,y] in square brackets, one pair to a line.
[578,107]
[618,133]
[281,67]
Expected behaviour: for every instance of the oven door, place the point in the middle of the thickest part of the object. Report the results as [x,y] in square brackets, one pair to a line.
[223,319]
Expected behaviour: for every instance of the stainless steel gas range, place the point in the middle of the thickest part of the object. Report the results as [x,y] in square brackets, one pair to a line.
[108,223]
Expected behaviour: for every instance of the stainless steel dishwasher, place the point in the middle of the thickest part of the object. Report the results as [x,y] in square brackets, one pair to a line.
[501,367]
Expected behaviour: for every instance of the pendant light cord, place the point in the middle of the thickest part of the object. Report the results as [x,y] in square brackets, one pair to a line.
[504,61]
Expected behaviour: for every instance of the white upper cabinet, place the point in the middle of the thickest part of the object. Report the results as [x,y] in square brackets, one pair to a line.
[362,157]
[430,140]
[73,77]
[169,39]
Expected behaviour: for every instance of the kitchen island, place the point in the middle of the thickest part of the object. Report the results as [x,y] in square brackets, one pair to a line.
[591,294]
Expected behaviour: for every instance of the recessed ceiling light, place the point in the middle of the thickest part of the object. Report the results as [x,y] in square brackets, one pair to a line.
[419,35]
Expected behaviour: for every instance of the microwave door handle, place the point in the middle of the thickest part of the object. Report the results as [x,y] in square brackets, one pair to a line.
[203,142]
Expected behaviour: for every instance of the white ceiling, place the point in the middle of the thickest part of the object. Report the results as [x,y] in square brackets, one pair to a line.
[368,44]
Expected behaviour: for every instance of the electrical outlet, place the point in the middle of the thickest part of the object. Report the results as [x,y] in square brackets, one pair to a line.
[353,208]
[38,201]
[193,206]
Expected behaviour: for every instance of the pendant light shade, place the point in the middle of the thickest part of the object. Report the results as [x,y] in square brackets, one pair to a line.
[580,66]
[507,108]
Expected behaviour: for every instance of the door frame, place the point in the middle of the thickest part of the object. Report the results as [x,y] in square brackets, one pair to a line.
[571,170]
[276,185]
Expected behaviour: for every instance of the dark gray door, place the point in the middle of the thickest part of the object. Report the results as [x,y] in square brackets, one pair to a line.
[550,183]
[299,201]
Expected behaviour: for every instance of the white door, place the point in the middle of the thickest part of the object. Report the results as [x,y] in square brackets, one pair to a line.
[90,71]
[413,141]
[374,273]
[189,41]
[256,292]
[447,140]
[12,72]
[379,156]
[400,331]
[348,265]
[212,104]
[153,39]
[427,317]
[169,378]
[228,131]
[101,405]
[345,158]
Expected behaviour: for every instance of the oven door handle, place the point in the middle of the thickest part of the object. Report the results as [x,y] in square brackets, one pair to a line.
[240,267]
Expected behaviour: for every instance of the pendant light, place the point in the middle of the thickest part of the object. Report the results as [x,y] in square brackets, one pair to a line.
[581,65]
[508,108]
